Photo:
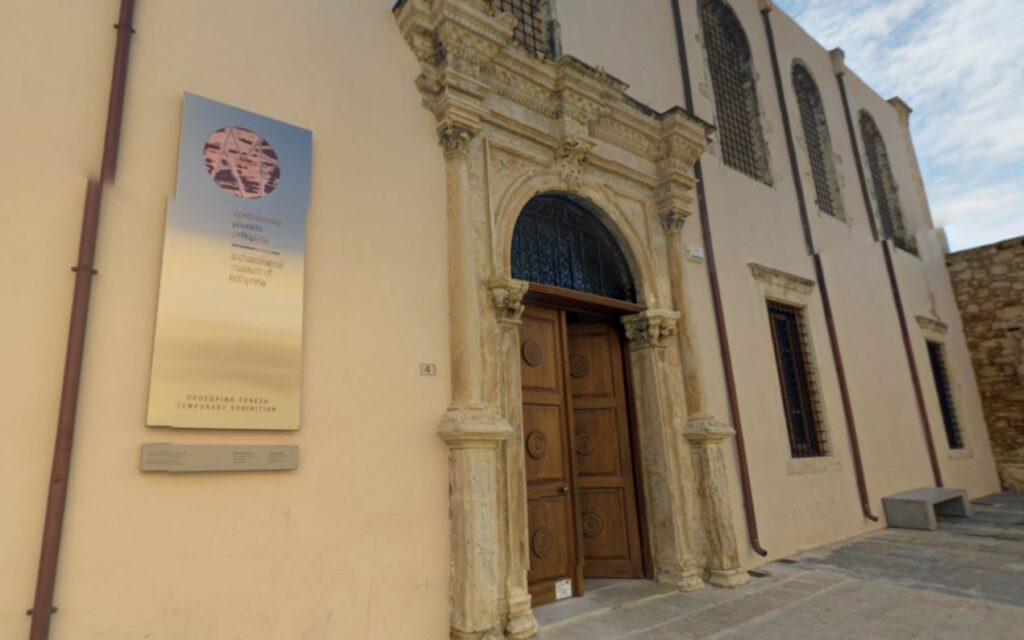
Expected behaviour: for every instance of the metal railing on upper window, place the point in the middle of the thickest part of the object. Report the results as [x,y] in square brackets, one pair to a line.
[886,198]
[533,24]
[732,78]
[800,396]
[819,144]
[937,358]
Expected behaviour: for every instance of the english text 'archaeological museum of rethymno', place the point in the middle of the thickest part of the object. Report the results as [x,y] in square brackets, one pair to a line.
[403,320]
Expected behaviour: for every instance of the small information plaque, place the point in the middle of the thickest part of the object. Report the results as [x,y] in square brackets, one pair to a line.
[192,458]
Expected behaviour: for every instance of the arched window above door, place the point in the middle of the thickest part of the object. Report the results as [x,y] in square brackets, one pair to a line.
[559,242]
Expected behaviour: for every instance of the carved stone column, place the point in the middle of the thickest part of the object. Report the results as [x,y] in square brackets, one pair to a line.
[693,383]
[475,439]
[650,334]
[507,296]
[463,300]
[476,435]
[723,559]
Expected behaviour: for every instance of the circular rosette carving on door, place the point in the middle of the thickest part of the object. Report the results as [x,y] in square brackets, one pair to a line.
[585,444]
[579,366]
[536,445]
[592,524]
[542,542]
[532,354]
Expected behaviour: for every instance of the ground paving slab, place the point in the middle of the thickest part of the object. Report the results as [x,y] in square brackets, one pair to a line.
[964,581]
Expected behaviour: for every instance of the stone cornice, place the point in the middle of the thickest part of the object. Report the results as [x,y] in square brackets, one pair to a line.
[786,281]
[838,57]
[470,65]
[903,110]
[932,325]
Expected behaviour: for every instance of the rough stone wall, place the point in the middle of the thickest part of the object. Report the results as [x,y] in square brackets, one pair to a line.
[989,285]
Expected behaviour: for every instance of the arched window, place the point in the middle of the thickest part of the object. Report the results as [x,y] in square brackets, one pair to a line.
[732,76]
[819,145]
[886,198]
[559,242]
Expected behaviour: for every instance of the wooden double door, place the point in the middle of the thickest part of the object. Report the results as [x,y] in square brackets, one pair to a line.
[581,485]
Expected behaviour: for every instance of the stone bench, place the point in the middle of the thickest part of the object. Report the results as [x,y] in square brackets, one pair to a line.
[917,509]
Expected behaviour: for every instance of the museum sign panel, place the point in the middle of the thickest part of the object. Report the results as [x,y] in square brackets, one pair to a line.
[228,347]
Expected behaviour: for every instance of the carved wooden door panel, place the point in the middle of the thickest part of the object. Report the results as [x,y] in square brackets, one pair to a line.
[605,491]
[547,418]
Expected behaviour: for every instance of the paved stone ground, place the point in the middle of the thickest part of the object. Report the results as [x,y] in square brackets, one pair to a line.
[963,582]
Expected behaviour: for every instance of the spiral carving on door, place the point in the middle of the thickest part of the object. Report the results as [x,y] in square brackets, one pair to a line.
[532,354]
[585,444]
[592,524]
[542,542]
[579,366]
[536,444]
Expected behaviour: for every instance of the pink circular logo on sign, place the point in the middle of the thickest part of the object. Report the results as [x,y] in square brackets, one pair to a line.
[241,162]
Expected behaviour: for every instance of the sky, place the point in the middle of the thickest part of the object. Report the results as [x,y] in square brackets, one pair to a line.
[959,64]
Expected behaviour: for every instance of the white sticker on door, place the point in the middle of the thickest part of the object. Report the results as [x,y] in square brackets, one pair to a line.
[563,589]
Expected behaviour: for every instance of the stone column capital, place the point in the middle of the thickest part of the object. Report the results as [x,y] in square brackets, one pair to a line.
[704,428]
[652,328]
[673,219]
[507,296]
[454,139]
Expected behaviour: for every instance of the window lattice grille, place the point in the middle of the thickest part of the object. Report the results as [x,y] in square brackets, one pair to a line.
[886,198]
[937,357]
[800,396]
[560,243]
[819,144]
[732,77]
[531,24]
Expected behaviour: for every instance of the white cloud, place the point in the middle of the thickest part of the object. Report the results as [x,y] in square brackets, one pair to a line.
[960,65]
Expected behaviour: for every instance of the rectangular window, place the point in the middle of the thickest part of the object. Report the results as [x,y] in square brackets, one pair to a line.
[937,357]
[531,28]
[799,391]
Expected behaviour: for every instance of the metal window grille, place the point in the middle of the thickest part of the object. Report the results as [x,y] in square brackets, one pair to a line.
[886,198]
[819,145]
[732,78]
[800,396]
[558,242]
[531,28]
[937,357]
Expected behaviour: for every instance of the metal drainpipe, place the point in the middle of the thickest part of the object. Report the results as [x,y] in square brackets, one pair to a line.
[908,347]
[819,269]
[42,608]
[716,299]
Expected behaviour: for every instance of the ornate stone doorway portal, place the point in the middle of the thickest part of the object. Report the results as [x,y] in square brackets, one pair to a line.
[515,125]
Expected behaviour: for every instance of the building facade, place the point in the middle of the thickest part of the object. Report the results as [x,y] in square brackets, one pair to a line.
[989,285]
[672,263]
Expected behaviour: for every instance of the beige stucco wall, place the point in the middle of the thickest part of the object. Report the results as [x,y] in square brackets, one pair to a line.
[354,544]
[757,223]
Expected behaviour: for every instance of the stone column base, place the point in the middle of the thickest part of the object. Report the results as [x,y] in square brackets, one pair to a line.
[521,623]
[728,578]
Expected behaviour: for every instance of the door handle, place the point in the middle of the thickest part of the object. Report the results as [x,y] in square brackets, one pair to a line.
[563,489]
